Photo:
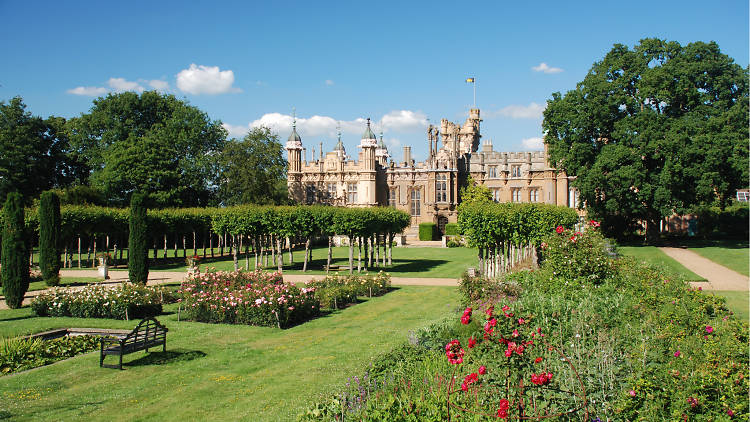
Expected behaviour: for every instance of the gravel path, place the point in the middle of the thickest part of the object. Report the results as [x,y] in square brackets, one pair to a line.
[719,277]
[163,277]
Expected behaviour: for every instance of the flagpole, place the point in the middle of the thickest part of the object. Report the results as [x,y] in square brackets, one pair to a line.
[474,84]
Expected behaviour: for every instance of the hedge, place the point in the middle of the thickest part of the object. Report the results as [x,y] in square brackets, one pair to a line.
[427,231]
[451,229]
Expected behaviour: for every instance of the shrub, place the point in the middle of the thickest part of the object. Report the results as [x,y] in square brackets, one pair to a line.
[49,238]
[253,298]
[451,229]
[127,301]
[19,354]
[427,231]
[138,240]
[337,291]
[576,258]
[14,264]
[730,222]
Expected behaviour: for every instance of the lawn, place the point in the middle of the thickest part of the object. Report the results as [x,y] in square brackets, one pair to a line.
[407,262]
[653,256]
[738,302]
[733,254]
[64,282]
[217,372]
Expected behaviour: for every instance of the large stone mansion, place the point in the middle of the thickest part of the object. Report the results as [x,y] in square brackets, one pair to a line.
[428,190]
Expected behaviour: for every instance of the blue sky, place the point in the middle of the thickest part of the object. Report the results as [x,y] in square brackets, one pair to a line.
[399,63]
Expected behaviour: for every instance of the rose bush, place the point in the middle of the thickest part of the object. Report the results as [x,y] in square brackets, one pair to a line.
[126,301]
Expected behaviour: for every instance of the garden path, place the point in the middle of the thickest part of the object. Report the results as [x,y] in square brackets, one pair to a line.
[719,277]
[163,277]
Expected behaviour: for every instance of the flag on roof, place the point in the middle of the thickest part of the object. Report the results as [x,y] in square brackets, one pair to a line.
[470,80]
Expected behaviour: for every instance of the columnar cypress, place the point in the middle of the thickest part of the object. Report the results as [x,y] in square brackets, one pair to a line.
[138,240]
[49,238]
[15,255]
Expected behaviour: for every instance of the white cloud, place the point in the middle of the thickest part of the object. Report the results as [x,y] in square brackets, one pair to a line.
[532,144]
[404,120]
[121,85]
[544,68]
[206,80]
[531,111]
[329,82]
[392,144]
[236,131]
[158,84]
[89,91]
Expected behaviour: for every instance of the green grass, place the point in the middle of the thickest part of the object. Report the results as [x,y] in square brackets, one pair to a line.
[738,302]
[407,262]
[653,256]
[733,254]
[217,372]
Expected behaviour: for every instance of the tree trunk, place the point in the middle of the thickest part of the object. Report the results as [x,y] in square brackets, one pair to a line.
[234,253]
[280,255]
[351,255]
[79,251]
[359,255]
[330,253]
[289,248]
[165,247]
[307,251]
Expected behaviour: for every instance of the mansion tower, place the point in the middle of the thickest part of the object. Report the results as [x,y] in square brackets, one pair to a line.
[427,190]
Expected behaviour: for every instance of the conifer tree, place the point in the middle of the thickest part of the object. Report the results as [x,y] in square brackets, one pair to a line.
[49,235]
[15,256]
[138,240]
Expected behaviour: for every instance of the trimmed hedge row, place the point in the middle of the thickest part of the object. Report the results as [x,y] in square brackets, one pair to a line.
[427,231]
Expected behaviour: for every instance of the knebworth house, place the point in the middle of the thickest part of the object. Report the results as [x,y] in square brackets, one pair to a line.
[427,190]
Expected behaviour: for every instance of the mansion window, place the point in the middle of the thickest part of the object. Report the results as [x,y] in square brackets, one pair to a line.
[534,195]
[492,172]
[516,195]
[351,193]
[310,194]
[496,195]
[416,202]
[441,188]
[572,198]
[331,190]
[515,171]
[392,195]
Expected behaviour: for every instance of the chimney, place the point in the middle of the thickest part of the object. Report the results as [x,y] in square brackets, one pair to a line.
[407,155]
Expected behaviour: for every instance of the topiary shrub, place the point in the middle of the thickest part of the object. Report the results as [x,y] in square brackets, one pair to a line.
[451,229]
[138,240]
[49,235]
[15,255]
[427,231]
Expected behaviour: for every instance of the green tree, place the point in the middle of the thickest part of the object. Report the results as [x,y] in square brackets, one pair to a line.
[253,170]
[151,142]
[652,131]
[49,237]
[475,193]
[138,240]
[15,256]
[32,151]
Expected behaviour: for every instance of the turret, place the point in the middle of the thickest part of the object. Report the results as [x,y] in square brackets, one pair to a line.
[294,148]
[368,144]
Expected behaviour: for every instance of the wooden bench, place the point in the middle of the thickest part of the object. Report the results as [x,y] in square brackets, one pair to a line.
[149,333]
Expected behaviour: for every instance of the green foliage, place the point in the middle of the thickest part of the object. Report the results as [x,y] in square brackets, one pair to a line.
[474,193]
[150,142]
[427,231]
[253,170]
[138,240]
[19,354]
[451,229]
[127,301]
[49,238]
[15,255]
[730,222]
[335,291]
[651,131]
[32,152]
[577,258]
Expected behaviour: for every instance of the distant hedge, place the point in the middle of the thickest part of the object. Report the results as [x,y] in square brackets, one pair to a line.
[730,222]
[427,231]
[451,229]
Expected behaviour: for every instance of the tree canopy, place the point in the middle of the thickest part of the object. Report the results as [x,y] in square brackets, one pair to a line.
[33,152]
[651,131]
[253,170]
[150,142]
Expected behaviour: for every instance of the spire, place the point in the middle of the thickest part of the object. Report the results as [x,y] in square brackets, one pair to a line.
[368,132]
[339,144]
[294,140]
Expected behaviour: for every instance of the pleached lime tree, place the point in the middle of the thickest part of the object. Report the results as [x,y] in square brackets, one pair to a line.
[49,238]
[15,255]
[138,240]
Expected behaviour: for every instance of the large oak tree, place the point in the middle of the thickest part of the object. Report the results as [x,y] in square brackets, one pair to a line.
[651,131]
[150,142]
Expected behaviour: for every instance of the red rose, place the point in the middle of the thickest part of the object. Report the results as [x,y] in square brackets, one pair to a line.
[482,370]
[472,342]
[465,319]
[537,360]
[559,229]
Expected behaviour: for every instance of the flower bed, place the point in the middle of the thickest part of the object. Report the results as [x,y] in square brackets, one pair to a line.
[127,301]
[253,298]
[336,291]
[19,354]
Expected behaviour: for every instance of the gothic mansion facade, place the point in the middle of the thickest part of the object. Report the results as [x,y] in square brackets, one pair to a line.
[427,190]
